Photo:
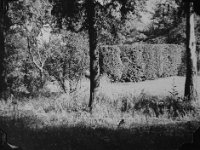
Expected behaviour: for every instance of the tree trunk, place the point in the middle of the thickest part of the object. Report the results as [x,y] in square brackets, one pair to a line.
[191,74]
[62,83]
[3,80]
[42,78]
[69,73]
[94,52]
[62,78]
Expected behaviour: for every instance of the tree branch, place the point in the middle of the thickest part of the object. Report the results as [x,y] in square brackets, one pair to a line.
[31,55]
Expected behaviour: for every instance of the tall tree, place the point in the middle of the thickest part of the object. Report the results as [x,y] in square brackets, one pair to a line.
[190,8]
[4,25]
[76,12]
[3,10]
[31,21]
[83,14]
[94,52]
[191,74]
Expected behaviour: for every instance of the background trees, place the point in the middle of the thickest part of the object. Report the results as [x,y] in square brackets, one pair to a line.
[39,51]
[49,40]
[166,24]
[170,26]
[27,44]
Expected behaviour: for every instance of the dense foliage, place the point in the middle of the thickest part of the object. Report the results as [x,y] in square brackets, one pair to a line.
[110,62]
[45,43]
[141,62]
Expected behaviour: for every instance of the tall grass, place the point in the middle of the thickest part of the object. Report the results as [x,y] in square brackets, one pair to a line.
[108,110]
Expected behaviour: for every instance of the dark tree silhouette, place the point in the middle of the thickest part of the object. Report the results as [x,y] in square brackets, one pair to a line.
[94,52]
[4,24]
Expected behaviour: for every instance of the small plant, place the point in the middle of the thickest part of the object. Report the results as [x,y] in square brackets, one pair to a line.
[174,92]
[176,105]
[150,105]
[125,104]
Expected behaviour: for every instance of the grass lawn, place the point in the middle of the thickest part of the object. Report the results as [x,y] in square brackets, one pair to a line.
[159,87]
[63,122]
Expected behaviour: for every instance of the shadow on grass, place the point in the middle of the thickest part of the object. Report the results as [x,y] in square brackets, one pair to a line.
[139,137]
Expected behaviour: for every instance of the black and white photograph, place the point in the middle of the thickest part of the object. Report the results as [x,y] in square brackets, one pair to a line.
[99,75]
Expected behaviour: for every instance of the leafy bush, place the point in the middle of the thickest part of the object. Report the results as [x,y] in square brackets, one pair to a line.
[178,107]
[110,62]
[68,60]
[150,105]
[133,64]
[173,106]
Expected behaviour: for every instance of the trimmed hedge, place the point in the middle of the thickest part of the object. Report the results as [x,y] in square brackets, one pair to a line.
[110,62]
[138,62]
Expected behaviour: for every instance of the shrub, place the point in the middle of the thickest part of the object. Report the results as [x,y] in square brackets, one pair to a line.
[173,106]
[110,62]
[177,106]
[132,60]
[150,105]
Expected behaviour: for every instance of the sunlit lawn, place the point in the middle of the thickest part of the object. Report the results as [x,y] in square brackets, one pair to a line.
[159,87]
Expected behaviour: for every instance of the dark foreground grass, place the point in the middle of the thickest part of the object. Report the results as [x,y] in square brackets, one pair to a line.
[139,137]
